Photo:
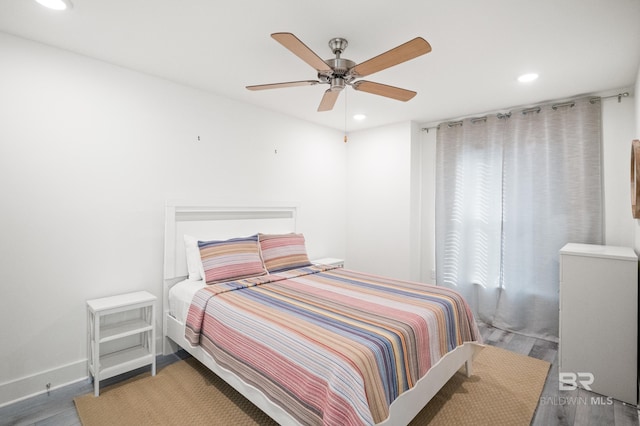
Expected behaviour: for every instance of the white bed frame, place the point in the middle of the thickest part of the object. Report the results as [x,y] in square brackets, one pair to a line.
[215,222]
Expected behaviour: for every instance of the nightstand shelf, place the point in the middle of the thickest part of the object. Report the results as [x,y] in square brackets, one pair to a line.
[123,329]
[125,360]
[109,319]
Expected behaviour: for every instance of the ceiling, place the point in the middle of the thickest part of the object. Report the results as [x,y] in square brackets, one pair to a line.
[479,49]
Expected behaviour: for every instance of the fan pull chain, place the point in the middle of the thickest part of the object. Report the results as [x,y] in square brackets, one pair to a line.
[345,116]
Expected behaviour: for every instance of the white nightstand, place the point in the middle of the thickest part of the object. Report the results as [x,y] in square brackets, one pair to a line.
[102,329]
[329,261]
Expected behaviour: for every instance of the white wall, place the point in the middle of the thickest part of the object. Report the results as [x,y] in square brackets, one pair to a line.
[415,206]
[378,194]
[428,200]
[89,153]
[618,126]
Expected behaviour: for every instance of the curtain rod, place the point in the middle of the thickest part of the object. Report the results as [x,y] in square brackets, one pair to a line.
[619,96]
[536,109]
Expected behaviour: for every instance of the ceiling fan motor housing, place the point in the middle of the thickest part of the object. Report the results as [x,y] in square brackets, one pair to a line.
[339,77]
[340,66]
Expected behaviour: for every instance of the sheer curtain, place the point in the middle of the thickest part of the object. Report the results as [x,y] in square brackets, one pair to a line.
[510,192]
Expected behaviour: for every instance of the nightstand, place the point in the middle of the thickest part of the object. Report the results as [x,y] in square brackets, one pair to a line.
[329,261]
[130,315]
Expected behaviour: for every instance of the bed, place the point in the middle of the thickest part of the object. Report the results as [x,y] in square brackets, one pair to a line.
[309,343]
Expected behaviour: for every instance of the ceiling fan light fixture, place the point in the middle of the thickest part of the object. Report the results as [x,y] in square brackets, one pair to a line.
[528,78]
[337,83]
[56,4]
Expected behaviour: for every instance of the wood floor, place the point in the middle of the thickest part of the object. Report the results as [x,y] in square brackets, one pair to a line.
[579,407]
[57,408]
[556,407]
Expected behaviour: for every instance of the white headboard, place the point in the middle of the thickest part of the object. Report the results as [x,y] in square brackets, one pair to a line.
[207,222]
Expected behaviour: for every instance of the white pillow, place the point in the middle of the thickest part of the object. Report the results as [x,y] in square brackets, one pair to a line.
[194,263]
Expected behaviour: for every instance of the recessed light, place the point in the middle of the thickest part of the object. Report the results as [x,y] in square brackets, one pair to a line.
[359,117]
[526,78]
[56,4]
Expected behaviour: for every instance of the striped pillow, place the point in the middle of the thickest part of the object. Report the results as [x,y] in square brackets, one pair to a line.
[281,252]
[231,259]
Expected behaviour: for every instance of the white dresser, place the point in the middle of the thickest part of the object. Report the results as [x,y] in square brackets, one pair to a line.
[599,319]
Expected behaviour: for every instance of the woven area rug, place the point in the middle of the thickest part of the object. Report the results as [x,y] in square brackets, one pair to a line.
[504,390]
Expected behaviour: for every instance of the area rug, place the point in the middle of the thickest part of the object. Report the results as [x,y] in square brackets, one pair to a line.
[504,390]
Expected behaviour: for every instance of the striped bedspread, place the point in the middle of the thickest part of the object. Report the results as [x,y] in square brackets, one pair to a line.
[330,346]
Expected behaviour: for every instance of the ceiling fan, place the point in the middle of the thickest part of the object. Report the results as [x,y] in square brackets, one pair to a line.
[339,72]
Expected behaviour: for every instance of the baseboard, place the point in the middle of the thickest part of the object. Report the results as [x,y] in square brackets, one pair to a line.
[36,384]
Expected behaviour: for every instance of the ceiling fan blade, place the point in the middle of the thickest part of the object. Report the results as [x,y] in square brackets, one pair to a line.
[409,50]
[281,85]
[384,90]
[328,100]
[301,50]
